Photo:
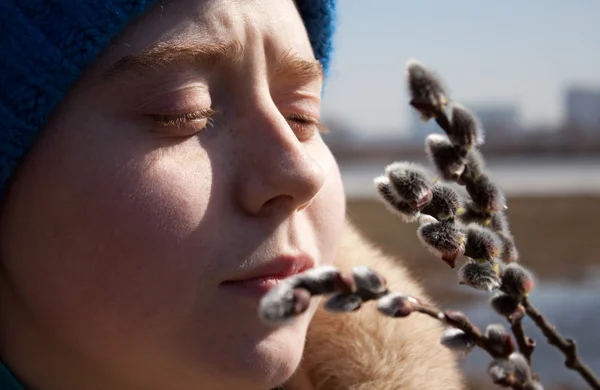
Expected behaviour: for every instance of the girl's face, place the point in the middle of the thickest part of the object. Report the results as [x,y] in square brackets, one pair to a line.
[189,155]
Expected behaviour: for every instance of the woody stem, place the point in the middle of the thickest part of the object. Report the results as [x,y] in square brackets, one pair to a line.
[566,346]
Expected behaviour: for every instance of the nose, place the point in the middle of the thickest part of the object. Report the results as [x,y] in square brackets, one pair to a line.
[278,171]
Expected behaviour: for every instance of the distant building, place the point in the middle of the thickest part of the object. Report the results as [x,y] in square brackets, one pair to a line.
[498,118]
[582,108]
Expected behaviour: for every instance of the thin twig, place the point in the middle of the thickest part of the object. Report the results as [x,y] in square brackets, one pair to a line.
[566,346]
[461,322]
[526,344]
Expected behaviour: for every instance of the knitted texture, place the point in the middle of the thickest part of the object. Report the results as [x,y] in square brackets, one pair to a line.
[45,45]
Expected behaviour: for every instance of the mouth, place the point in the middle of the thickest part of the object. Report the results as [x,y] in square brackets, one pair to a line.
[258,281]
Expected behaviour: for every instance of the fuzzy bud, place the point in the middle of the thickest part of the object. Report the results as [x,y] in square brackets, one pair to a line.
[465,129]
[449,160]
[283,303]
[443,239]
[396,305]
[392,202]
[517,281]
[482,243]
[480,276]
[485,194]
[507,306]
[457,340]
[498,222]
[426,90]
[410,182]
[522,368]
[501,340]
[474,165]
[322,280]
[458,319]
[444,203]
[471,214]
[510,254]
[424,219]
[502,372]
[343,303]
[370,285]
[512,371]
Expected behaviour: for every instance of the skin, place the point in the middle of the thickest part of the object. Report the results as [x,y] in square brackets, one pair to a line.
[118,228]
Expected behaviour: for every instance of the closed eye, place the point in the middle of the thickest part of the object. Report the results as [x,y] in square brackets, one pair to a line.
[190,122]
[181,119]
[306,121]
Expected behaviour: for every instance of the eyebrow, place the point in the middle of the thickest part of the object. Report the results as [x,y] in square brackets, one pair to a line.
[292,66]
[226,54]
[165,54]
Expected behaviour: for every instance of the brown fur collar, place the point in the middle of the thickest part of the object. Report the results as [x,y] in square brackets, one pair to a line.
[365,350]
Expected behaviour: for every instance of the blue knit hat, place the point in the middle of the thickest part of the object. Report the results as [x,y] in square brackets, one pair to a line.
[45,45]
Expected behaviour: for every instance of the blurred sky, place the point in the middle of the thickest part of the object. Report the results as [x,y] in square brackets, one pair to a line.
[515,51]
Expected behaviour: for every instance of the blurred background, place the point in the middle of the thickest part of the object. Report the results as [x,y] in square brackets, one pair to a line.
[531,72]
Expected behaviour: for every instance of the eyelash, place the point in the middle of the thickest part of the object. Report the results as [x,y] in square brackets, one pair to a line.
[181,120]
[305,120]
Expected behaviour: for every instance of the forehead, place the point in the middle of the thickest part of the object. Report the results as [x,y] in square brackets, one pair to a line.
[273,27]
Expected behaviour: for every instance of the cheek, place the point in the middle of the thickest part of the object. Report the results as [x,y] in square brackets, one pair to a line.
[109,237]
[328,212]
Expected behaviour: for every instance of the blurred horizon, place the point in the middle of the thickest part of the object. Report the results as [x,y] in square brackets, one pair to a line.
[524,56]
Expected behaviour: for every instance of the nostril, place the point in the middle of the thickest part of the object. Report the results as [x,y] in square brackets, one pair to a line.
[283,202]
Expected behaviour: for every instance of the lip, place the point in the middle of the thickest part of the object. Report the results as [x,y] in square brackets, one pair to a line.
[257,281]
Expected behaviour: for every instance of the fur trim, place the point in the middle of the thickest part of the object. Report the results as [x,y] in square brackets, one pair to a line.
[365,350]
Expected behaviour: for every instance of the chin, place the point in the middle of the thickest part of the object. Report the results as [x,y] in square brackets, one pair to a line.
[281,351]
[248,360]
[251,356]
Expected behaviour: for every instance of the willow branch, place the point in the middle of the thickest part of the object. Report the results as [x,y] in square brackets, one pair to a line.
[526,344]
[566,346]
